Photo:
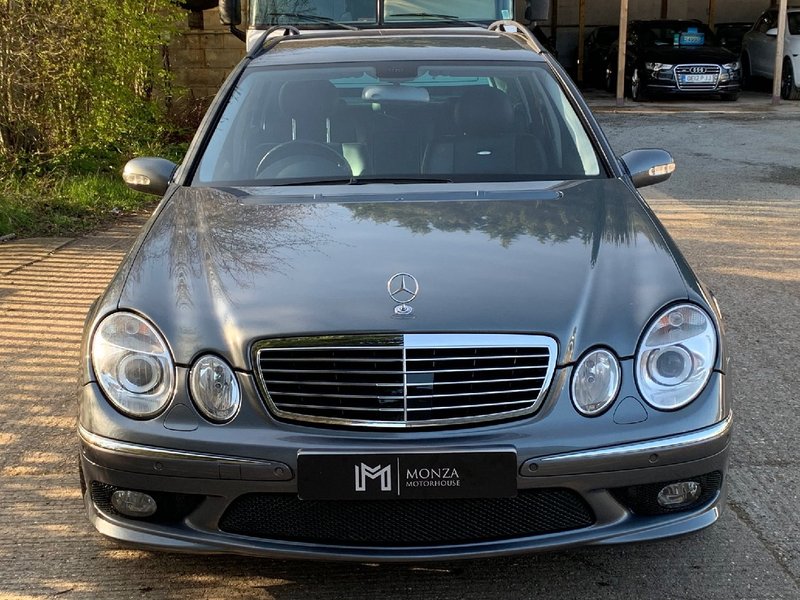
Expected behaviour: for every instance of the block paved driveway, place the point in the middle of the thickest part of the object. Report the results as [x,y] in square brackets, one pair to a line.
[734,208]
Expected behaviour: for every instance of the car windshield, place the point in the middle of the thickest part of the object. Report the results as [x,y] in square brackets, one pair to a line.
[397,122]
[678,34]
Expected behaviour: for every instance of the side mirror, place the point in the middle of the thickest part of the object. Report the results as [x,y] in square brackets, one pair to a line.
[230,12]
[537,10]
[648,167]
[772,32]
[149,175]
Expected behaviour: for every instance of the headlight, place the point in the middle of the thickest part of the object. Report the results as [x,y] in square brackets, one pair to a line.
[734,66]
[595,382]
[133,365]
[654,66]
[214,388]
[676,357]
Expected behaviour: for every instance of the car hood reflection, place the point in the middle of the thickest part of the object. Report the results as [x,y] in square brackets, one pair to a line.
[218,271]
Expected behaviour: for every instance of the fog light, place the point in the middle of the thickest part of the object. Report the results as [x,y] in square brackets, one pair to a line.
[679,494]
[133,504]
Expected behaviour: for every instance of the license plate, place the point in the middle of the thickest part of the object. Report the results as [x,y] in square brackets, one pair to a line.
[697,78]
[406,476]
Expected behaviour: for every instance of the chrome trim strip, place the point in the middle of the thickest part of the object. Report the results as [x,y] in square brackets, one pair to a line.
[654,453]
[153,452]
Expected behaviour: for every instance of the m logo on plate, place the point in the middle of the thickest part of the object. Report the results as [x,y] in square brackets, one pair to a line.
[364,472]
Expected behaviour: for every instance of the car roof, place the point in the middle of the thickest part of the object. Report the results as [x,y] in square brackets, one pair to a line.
[451,44]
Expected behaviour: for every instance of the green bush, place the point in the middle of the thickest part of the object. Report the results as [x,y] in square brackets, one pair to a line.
[84,87]
[81,79]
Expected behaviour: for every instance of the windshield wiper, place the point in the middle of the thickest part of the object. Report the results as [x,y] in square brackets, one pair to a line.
[364,180]
[449,18]
[312,18]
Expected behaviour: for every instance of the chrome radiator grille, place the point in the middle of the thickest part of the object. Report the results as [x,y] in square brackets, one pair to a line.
[708,73]
[404,381]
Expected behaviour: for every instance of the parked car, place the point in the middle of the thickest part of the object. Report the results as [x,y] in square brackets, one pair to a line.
[731,35]
[596,54]
[674,57]
[759,49]
[402,301]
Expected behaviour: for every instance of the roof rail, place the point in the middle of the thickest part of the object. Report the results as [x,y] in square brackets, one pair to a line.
[259,49]
[509,26]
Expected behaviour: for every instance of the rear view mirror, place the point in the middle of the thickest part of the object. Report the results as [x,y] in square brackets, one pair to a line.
[772,32]
[395,93]
[648,167]
[149,175]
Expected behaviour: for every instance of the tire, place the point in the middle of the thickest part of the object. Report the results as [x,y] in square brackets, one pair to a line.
[638,93]
[610,81]
[789,89]
[732,97]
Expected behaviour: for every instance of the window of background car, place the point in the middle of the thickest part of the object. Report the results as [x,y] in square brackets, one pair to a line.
[679,34]
[474,10]
[794,23]
[766,22]
[398,120]
[266,14]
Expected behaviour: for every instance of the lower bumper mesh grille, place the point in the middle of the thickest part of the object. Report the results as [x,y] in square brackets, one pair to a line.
[406,522]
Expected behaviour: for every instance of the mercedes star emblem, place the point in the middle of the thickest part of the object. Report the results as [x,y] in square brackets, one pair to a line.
[403,288]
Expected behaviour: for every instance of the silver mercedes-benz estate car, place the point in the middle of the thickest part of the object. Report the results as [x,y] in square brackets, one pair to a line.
[402,301]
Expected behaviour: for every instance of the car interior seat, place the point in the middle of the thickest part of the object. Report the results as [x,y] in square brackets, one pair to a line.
[487,140]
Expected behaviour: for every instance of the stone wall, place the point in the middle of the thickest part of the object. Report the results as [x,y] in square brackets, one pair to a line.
[202,58]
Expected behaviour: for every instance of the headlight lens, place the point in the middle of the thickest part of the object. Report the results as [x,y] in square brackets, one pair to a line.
[676,357]
[654,66]
[133,365]
[734,66]
[214,388]
[595,382]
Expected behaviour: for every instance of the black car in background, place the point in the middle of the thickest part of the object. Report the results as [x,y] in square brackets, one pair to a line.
[678,58]
[731,35]
[596,54]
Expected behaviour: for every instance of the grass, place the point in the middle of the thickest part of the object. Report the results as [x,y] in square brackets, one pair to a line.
[74,196]
[65,204]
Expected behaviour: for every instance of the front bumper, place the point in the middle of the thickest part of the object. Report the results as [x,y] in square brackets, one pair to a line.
[218,480]
[664,82]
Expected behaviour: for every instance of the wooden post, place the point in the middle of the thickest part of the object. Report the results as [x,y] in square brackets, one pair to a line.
[778,76]
[623,46]
[581,38]
[664,9]
[712,14]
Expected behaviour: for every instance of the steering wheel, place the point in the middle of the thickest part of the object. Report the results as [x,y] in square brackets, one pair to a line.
[302,158]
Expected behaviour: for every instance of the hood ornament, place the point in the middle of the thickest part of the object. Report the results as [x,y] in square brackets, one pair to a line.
[403,288]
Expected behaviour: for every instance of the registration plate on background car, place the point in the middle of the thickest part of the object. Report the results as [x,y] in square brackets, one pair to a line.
[407,476]
[697,78]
